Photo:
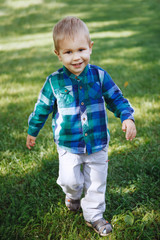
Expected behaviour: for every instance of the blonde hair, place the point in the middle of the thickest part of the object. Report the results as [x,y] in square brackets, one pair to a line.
[68,28]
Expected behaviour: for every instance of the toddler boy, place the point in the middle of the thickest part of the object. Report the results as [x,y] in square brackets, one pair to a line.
[76,95]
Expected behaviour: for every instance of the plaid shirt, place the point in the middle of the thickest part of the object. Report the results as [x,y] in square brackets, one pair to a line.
[77,103]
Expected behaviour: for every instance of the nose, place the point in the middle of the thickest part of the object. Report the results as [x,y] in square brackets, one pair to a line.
[76,56]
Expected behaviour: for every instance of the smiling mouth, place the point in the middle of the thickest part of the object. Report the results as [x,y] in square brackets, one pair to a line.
[77,65]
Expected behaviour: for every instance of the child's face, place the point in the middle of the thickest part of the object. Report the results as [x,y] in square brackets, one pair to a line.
[75,53]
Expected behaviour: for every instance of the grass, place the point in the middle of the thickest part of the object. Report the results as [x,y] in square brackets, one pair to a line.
[126,44]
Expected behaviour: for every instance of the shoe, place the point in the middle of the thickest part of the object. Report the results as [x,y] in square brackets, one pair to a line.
[72,205]
[101,226]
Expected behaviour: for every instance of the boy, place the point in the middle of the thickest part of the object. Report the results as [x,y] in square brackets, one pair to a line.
[76,95]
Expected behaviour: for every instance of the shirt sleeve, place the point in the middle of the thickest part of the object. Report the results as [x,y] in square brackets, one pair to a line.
[114,99]
[45,105]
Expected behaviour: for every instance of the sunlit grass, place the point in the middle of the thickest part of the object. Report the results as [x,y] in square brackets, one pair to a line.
[108,34]
[97,24]
[131,188]
[22,4]
[18,4]
[27,41]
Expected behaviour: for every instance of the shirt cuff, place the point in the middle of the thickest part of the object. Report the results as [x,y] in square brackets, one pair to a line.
[123,118]
[33,132]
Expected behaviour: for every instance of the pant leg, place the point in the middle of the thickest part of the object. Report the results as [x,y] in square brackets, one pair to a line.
[95,178]
[70,177]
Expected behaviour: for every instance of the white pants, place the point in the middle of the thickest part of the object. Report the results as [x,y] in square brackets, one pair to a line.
[78,172]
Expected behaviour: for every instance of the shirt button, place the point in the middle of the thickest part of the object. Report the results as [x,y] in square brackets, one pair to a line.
[84,119]
[86,134]
[82,103]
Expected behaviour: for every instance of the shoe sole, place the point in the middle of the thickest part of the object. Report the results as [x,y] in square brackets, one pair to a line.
[101,234]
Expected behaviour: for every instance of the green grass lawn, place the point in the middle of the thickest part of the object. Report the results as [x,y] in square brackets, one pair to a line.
[126,44]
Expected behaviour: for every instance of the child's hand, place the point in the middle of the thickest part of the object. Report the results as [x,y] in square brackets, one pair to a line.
[129,127]
[31,141]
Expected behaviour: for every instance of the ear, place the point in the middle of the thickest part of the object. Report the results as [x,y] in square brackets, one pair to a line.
[90,46]
[58,55]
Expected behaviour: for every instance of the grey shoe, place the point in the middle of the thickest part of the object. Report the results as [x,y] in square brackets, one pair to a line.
[72,205]
[101,226]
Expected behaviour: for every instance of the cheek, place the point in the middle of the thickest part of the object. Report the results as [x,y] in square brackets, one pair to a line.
[64,60]
[86,56]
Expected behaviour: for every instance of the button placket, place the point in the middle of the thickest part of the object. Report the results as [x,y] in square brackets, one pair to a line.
[84,119]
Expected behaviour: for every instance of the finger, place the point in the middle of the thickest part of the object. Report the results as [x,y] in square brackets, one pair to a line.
[32,144]
[123,127]
[129,134]
[28,145]
[132,134]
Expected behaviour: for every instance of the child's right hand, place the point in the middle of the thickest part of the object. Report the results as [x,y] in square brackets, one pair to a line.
[31,141]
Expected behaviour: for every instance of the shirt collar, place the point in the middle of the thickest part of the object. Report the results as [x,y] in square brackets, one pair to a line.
[73,76]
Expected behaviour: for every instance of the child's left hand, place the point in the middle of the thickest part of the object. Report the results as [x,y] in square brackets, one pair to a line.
[129,127]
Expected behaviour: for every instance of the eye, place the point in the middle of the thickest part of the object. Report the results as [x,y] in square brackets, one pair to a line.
[81,49]
[68,52]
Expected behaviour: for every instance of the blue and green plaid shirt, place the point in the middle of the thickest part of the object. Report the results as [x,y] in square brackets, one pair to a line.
[77,104]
